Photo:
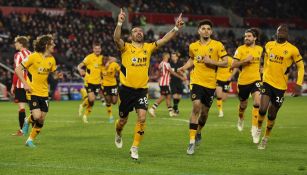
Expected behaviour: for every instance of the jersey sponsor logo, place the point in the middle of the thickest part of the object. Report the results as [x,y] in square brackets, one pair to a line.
[276,58]
[139,61]
[42,70]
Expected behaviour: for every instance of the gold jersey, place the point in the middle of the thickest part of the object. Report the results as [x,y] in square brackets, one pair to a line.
[135,65]
[224,73]
[93,64]
[38,70]
[203,74]
[251,72]
[109,74]
[279,58]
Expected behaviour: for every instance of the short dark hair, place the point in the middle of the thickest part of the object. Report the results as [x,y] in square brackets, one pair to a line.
[255,32]
[133,27]
[96,43]
[23,40]
[41,42]
[205,22]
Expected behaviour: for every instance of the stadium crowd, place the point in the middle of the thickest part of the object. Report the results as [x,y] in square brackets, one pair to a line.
[67,4]
[272,9]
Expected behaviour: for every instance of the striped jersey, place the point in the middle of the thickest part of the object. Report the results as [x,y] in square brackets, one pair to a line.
[165,73]
[19,57]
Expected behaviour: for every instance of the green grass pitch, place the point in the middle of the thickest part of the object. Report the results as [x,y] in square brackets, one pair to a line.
[67,146]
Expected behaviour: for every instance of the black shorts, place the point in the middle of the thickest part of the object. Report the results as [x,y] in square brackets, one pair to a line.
[176,88]
[37,102]
[225,85]
[132,99]
[246,90]
[276,95]
[205,95]
[20,95]
[93,88]
[110,91]
[165,90]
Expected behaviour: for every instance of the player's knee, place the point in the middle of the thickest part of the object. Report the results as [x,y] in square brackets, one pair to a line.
[256,105]
[271,117]
[262,112]
[91,103]
[201,121]
[22,110]
[123,115]
[39,124]
[122,121]
[243,105]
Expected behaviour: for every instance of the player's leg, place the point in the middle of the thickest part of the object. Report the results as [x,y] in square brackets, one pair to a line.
[168,99]
[276,101]
[176,100]
[21,118]
[255,113]
[219,101]
[84,103]
[201,123]
[244,92]
[140,105]
[196,110]
[39,109]
[153,108]
[126,105]
[88,110]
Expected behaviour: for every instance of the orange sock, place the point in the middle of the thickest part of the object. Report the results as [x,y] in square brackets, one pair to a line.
[255,113]
[138,133]
[269,126]
[219,104]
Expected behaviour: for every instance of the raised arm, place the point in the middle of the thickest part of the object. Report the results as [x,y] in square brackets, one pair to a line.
[178,25]
[118,30]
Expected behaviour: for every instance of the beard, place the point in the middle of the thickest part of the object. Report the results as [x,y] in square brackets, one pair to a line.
[281,39]
[248,42]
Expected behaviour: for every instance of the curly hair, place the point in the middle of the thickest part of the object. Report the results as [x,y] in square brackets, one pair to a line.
[41,42]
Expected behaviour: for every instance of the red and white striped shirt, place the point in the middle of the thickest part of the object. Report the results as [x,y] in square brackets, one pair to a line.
[165,73]
[18,58]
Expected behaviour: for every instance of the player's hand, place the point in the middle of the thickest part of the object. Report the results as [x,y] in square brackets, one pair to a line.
[27,88]
[179,22]
[248,59]
[82,72]
[181,70]
[183,78]
[60,75]
[207,60]
[12,89]
[297,90]
[121,16]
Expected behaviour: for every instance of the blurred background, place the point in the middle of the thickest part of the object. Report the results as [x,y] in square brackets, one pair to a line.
[75,24]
